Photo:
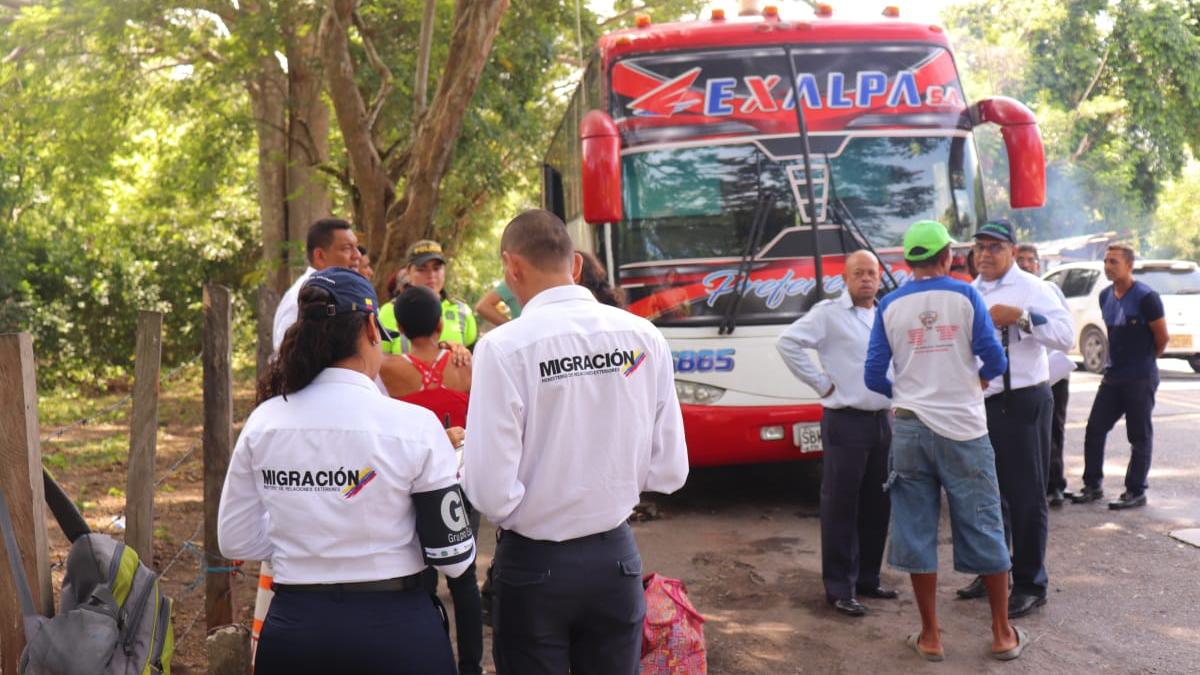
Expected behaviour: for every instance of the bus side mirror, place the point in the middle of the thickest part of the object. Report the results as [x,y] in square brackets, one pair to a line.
[601,167]
[1023,142]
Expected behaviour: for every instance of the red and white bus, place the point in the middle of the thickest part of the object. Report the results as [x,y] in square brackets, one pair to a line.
[683,164]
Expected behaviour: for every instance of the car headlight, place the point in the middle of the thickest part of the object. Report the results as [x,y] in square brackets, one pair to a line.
[696,393]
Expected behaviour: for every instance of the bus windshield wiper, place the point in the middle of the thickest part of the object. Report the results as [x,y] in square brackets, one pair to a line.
[753,242]
[842,216]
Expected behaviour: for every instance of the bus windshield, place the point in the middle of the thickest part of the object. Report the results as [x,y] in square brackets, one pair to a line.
[699,202]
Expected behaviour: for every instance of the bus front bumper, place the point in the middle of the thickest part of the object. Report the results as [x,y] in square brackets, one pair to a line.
[723,435]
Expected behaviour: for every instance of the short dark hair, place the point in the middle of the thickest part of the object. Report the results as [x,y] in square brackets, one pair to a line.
[541,238]
[362,250]
[320,234]
[1029,248]
[418,310]
[935,260]
[1125,249]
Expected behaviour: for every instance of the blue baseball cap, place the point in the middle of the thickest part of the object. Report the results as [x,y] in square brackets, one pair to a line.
[997,229]
[351,293]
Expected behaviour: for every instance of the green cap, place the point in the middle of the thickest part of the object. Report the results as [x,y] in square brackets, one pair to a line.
[924,239]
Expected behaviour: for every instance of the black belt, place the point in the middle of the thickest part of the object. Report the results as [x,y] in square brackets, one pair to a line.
[905,414]
[858,412]
[1017,392]
[396,584]
[503,534]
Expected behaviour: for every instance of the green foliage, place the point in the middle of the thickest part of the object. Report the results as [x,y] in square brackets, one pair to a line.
[1116,91]
[1177,230]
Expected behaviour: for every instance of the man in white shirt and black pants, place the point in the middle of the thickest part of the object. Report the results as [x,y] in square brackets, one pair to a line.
[573,414]
[855,431]
[1030,320]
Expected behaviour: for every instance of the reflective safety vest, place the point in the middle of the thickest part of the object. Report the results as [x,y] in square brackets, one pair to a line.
[459,326]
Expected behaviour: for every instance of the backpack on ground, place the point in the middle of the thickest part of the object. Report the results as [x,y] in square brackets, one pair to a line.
[113,618]
[673,632]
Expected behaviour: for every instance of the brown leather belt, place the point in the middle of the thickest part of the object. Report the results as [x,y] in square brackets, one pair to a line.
[397,584]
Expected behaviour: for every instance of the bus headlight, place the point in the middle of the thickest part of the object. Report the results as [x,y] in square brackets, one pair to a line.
[696,393]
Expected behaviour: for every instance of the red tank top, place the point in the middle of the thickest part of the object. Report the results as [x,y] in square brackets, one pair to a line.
[449,405]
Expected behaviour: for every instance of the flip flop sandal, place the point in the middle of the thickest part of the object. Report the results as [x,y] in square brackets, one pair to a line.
[913,642]
[1009,655]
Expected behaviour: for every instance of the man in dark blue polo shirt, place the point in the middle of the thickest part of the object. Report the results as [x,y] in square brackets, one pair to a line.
[1137,336]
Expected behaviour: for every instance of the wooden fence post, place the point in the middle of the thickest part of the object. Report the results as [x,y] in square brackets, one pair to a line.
[143,437]
[218,444]
[21,480]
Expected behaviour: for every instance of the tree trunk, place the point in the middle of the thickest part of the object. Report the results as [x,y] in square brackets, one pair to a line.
[375,190]
[424,48]
[308,142]
[268,95]
[475,26]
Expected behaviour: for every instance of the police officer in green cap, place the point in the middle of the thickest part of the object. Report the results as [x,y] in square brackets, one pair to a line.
[427,267]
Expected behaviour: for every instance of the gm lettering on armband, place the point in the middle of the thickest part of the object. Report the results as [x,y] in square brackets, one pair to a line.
[442,526]
[703,360]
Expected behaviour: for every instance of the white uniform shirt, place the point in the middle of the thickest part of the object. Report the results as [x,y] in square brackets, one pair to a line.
[288,309]
[1052,326]
[573,414]
[320,483]
[839,331]
[1061,365]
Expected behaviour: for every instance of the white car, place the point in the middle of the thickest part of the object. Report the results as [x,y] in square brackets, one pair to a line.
[1177,282]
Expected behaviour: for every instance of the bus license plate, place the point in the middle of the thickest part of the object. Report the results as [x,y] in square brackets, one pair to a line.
[807,437]
[1180,341]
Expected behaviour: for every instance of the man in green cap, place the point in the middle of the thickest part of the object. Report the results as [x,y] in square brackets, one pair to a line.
[931,330]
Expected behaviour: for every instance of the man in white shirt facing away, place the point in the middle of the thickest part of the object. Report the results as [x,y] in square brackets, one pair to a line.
[330,243]
[572,415]
[1030,320]
[1061,367]
[855,431]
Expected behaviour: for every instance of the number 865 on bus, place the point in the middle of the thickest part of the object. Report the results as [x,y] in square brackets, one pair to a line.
[703,360]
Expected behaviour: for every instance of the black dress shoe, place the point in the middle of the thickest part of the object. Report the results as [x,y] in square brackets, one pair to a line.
[1128,501]
[849,607]
[1087,494]
[1020,604]
[1055,498]
[973,590]
[877,592]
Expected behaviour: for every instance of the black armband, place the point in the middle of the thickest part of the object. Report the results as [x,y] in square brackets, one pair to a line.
[442,526]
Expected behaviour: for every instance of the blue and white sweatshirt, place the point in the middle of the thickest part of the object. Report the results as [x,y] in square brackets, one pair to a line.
[933,330]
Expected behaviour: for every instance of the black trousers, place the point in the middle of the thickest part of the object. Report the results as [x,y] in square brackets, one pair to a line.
[1135,400]
[468,608]
[1019,428]
[574,606]
[383,633]
[1061,391]
[854,507]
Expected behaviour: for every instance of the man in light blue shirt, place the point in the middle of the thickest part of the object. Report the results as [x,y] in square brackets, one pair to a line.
[855,431]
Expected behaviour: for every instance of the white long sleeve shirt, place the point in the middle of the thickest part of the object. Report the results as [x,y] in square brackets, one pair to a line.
[288,309]
[320,484]
[1061,365]
[573,414]
[839,332]
[1052,327]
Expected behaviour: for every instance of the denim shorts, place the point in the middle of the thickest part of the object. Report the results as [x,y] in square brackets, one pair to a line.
[922,464]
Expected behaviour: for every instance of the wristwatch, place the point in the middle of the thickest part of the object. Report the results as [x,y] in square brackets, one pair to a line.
[1025,323]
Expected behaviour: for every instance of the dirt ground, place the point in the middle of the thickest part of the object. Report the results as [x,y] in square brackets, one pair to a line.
[746,541]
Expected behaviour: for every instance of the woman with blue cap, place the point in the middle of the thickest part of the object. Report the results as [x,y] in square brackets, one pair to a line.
[350,494]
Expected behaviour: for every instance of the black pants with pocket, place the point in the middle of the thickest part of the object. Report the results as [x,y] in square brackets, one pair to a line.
[1019,428]
[854,507]
[468,608]
[574,606]
[376,633]
[1135,400]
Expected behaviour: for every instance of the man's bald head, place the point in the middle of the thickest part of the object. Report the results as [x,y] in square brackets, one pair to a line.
[540,238]
[862,277]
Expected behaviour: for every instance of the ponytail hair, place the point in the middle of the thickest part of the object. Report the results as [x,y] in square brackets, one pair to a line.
[310,345]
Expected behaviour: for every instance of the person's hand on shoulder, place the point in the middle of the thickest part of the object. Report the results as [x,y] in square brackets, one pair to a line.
[460,356]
